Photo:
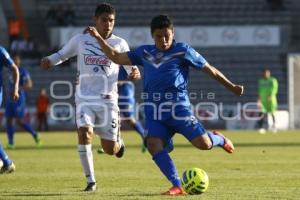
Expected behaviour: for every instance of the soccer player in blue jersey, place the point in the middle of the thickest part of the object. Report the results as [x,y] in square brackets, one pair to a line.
[5,60]
[126,103]
[16,109]
[167,106]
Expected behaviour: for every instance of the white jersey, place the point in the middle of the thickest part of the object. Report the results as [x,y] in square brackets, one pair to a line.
[97,74]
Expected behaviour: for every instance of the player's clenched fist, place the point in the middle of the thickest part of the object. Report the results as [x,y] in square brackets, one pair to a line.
[135,74]
[92,31]
[45,63]
[238,90]
[15,95]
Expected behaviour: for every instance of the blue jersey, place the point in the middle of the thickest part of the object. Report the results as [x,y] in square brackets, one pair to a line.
[122,76]
[17,108]
[24,77]
[5,60]
[166,73]
[126,99]
[126,87]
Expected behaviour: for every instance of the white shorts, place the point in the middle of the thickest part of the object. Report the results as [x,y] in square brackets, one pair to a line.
[104,117]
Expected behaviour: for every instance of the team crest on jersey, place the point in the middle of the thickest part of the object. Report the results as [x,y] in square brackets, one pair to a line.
[159,55]
[159,59]
[96,60]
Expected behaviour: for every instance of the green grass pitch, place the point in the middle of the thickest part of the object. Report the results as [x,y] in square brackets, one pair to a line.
[262,167]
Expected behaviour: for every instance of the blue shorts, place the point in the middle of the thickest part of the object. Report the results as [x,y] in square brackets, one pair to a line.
[165,129]
[127,107]
[15,109]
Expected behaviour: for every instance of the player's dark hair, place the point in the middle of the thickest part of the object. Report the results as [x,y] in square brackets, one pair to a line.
[104,8]
[160,22]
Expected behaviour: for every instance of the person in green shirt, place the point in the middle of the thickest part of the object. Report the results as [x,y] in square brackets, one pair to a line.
[267,100]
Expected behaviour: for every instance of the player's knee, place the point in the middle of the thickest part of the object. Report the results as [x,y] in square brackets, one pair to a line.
[202,142]
[9,122]
[109,151]
[154,145]
[206,145]
[110,147]
[131,121]
[19,122]
[85,137]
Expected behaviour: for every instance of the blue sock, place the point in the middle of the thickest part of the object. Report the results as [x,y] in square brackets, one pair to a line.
[215,139]
[139,128]
[29,129]
[167,167]
[4,157]
[10,133]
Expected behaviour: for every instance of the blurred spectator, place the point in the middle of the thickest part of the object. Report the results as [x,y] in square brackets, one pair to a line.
[275,4]
[22,46]
[16,45]
[59,16]
[69,16]
[42,110]
[14,29]
[51,16]
[30,44]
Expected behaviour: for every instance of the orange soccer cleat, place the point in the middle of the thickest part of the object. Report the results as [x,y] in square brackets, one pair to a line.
[228,146]
[174,191]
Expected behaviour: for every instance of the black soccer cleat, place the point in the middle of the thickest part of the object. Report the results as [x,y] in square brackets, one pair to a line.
[121,150]
[91,187]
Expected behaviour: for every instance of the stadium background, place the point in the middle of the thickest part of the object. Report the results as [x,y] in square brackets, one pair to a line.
[262,167]
[274,34]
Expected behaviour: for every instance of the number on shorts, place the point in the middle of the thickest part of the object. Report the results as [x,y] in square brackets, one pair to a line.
[114,123]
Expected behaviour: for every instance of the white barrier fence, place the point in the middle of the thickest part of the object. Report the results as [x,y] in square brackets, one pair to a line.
[197,36]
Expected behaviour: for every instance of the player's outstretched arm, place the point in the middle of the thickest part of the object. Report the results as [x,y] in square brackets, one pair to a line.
[220,77]
[111,53]
[16,77]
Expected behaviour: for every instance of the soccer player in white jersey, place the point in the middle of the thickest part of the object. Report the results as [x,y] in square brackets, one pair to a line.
[96,94]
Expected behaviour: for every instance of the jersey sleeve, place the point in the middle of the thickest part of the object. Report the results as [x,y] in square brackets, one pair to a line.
[136,55]
[26,76]
[69,50]
[124,46]
[194,58]
[5,58]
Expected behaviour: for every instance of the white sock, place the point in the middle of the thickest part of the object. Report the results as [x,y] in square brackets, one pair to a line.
[86,158]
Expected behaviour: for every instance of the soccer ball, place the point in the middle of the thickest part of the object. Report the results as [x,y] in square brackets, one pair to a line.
[195,181]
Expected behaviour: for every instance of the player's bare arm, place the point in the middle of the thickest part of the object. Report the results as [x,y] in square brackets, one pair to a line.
[16,77]
[111,53]
[220,77]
